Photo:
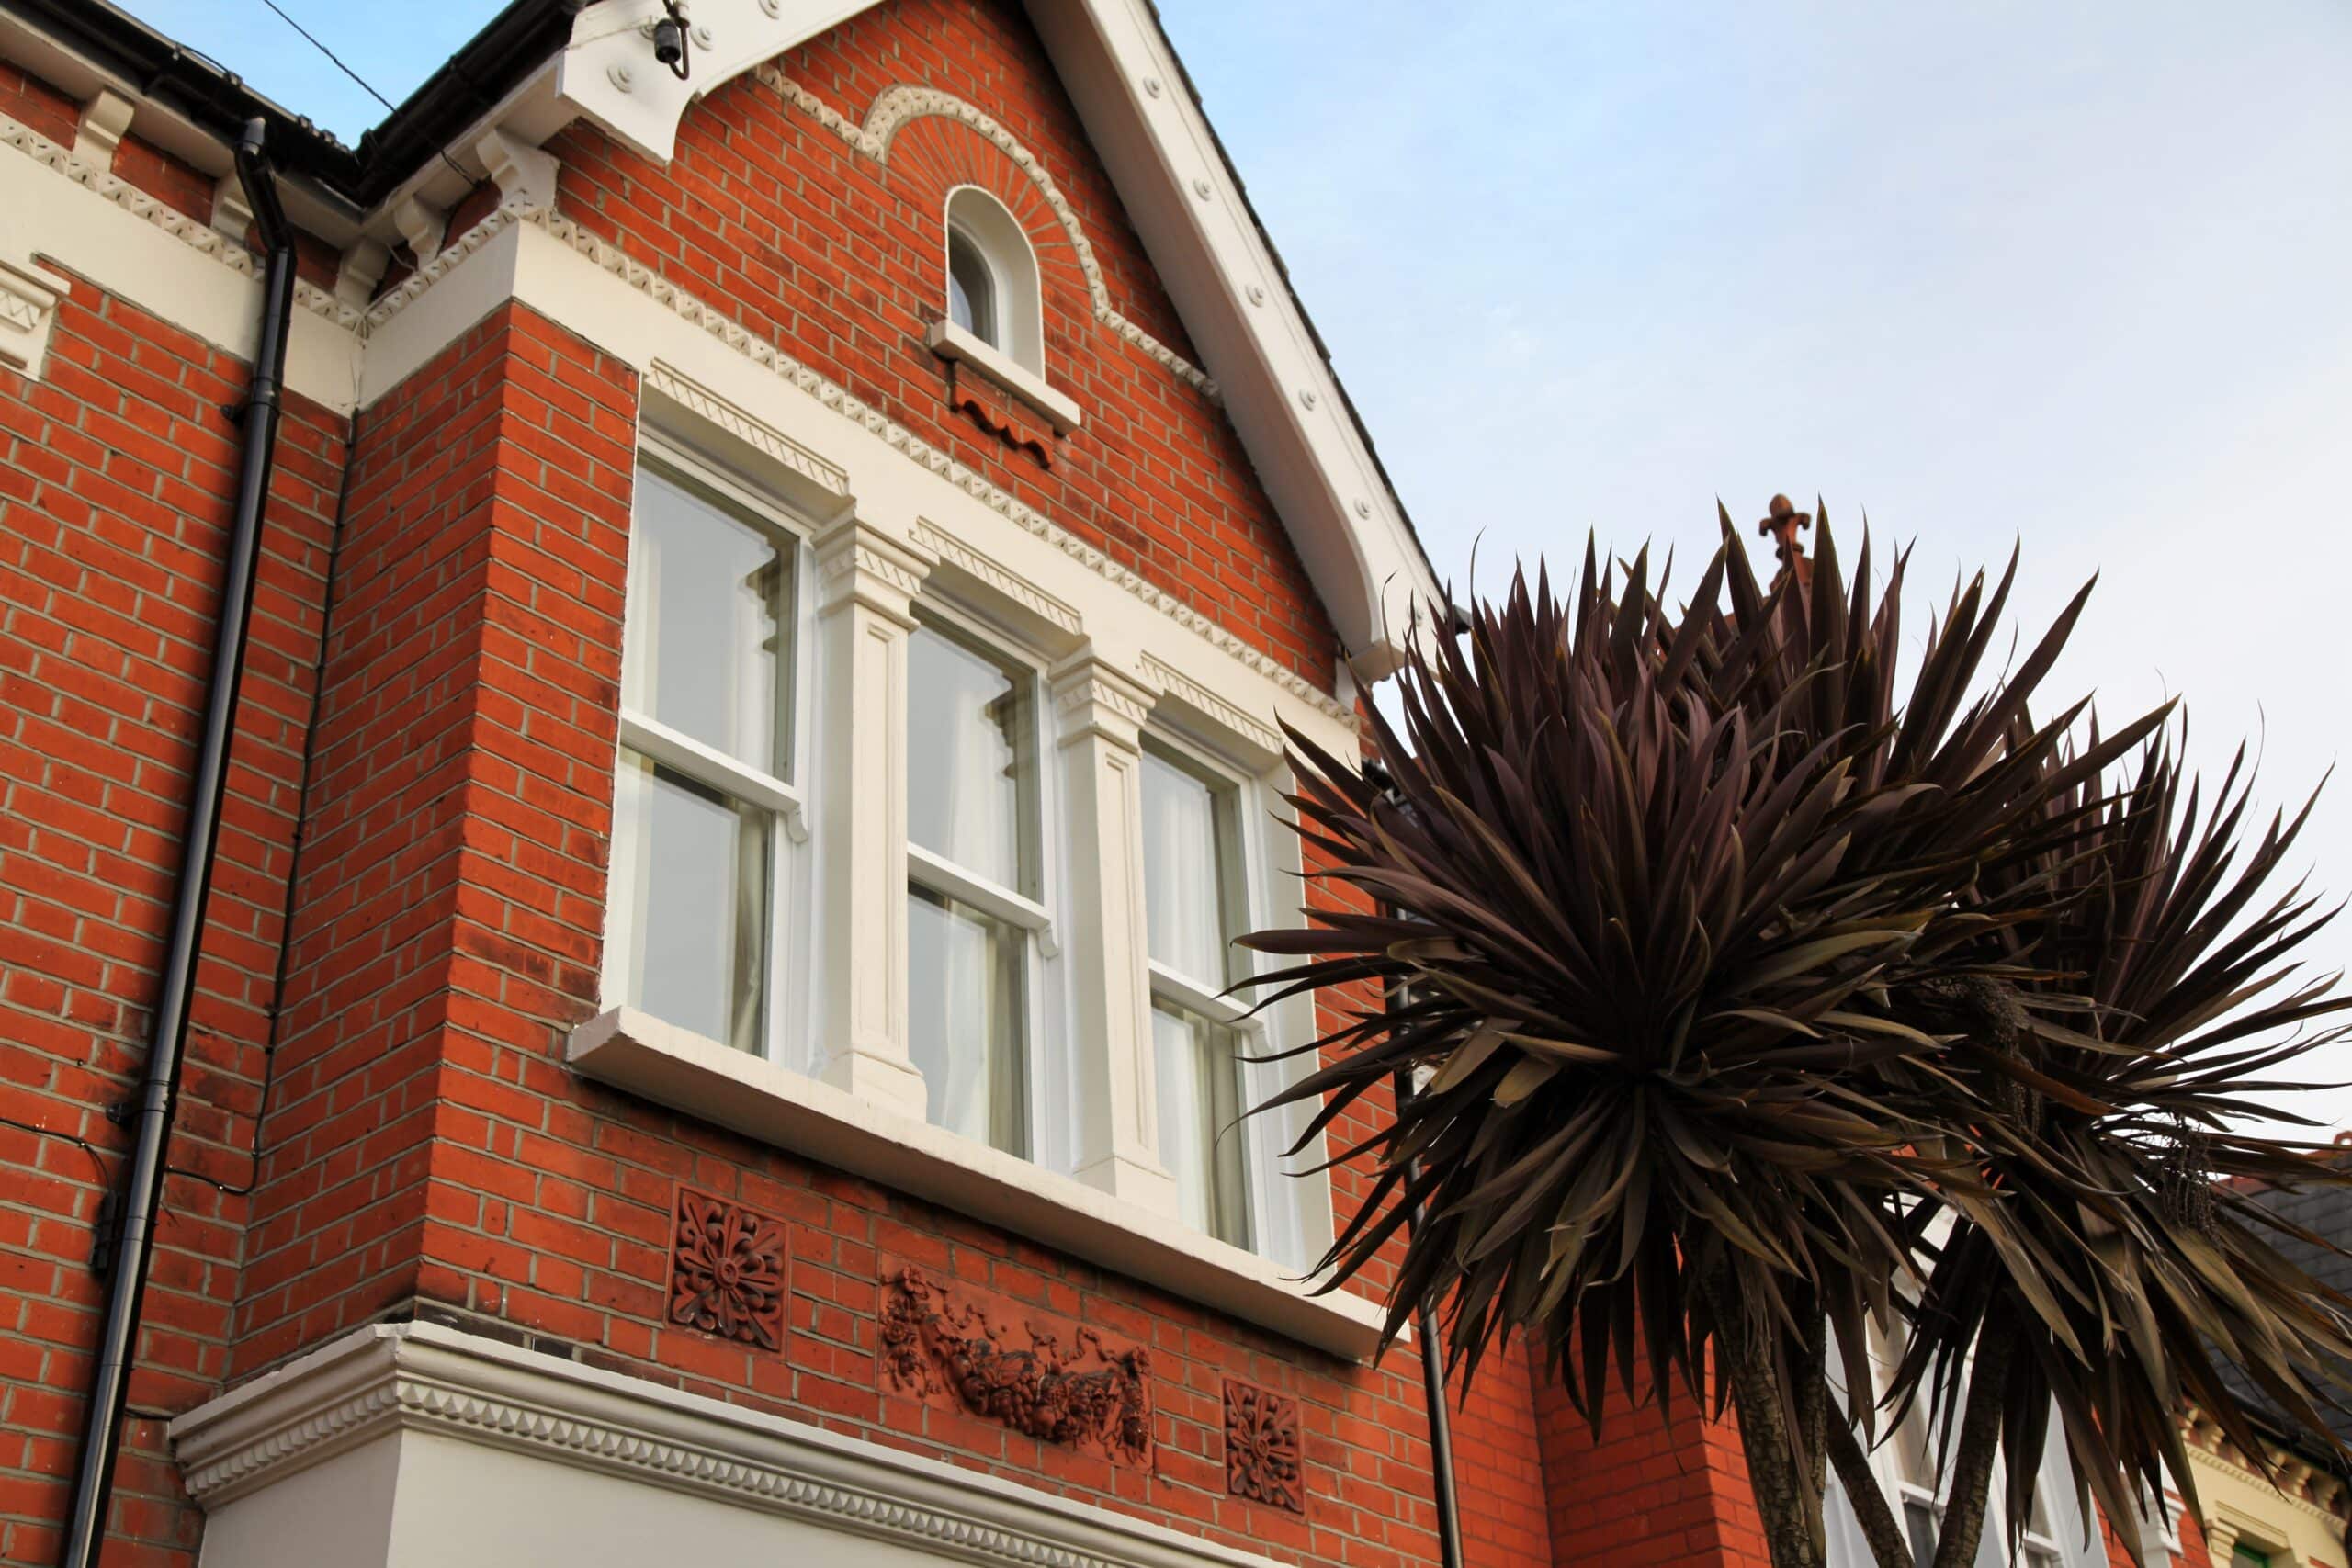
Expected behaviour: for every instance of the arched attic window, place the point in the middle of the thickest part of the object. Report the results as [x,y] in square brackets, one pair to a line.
[992,278]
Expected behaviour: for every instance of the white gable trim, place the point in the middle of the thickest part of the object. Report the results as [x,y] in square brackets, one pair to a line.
[1211,256]
[1287,405]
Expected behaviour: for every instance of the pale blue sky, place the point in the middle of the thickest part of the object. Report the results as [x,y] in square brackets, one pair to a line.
[2077,275]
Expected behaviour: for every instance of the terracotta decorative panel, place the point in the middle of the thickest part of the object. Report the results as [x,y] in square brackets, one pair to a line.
[727,1271]
[1261,1446]
[958,1348]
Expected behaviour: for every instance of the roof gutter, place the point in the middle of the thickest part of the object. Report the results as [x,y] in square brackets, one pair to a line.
[487,68]
[133,1241]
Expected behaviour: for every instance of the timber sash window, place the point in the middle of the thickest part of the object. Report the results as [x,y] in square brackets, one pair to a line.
[1195,899]
[703,794]
[973,882]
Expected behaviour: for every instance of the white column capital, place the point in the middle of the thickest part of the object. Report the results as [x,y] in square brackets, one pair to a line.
[861,564]
[1096,698]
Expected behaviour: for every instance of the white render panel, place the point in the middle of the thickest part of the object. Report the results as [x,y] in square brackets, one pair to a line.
[161,261]
[417,1446]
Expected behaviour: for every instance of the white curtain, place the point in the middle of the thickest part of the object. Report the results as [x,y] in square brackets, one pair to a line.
[1182,896]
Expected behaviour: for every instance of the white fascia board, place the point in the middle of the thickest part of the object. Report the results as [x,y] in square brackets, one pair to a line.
[672,1066]
[1285,403]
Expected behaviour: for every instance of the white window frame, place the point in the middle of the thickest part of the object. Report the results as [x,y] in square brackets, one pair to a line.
[1042,1026]
[786,1013]
[1015,283]
[1278,1227]
[2044,1542]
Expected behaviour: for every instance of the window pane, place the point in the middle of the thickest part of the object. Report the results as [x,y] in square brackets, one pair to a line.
[1919,1522]
[971,288]
[690,867]
[1188,870]
[964,1018]
[1200,1094]
[707,648]
[971,760]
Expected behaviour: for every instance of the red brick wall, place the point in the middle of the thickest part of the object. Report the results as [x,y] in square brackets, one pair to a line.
[1498,1466]
[1646,1490]
[840,260]
[479,460]
[116,477]
[30,101]
[424,1149]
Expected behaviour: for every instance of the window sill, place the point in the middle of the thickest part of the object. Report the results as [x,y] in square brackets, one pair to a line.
[630,1050]
[949,340]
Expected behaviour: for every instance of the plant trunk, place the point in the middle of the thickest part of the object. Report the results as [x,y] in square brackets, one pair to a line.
[1980,1442]
[1889,1547]
[1791,1514]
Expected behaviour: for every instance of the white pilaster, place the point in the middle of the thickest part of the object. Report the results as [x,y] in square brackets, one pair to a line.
[1102,712]
[867,582]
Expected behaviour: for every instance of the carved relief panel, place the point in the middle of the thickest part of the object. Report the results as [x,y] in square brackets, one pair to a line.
[961,1348]
[728,1271]
[1262,1451]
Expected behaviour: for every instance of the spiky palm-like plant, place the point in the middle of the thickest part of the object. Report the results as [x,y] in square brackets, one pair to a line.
[1761,998]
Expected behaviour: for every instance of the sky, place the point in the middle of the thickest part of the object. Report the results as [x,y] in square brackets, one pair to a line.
[2071,278]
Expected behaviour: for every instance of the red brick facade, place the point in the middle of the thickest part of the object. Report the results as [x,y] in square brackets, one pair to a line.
[376,1122]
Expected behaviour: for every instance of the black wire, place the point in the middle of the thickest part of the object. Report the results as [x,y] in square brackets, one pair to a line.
[389,107]
[105,1177]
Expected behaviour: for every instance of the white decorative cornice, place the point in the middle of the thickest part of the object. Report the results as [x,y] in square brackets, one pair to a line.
[1173,682]
[724,328]
[204,239]
[385,1380]
[1089,683]
[198,235]
[750,429]
[1012,584]
[2320,1496]
[896,105]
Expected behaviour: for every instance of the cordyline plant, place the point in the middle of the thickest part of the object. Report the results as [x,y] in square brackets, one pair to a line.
[1768,1001]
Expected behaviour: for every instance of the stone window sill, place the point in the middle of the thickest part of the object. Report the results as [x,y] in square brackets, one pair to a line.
[633,1051]
[949,340]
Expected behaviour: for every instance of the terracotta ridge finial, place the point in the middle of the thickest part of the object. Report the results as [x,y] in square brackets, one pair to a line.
[1782,527]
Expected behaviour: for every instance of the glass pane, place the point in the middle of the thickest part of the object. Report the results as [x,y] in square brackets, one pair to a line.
[971,760]
[1919,1521]
[690,869]
[707,647]
[1199,1099]
[971,288]
[1189,870]
[964,1018]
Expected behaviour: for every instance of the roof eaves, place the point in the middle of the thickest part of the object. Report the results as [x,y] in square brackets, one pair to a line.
[491,64]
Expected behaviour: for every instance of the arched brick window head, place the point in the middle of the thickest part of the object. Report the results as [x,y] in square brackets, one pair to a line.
[992,278]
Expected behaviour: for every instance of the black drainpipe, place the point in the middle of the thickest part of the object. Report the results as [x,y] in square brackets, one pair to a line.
[1433,1394]
[133,1236]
